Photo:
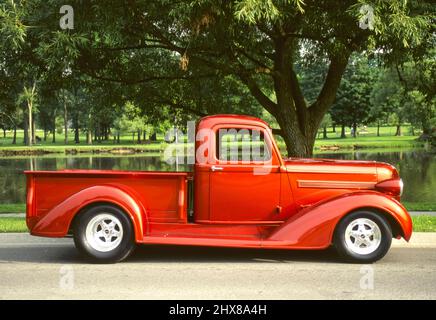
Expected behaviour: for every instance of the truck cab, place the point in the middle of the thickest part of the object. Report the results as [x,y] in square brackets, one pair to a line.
[241,170]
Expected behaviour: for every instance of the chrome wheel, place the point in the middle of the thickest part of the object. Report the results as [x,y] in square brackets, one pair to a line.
[104,232]
[362,236]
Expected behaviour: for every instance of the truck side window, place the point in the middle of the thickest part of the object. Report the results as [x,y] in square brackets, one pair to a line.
[238,145]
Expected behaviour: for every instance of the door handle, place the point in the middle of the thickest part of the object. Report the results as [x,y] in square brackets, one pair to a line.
[215,168]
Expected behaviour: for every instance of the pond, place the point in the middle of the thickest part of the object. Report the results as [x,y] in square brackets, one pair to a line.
[417,169]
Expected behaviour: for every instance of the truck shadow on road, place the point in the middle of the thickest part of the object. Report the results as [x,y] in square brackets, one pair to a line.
[169,254]
[227,255]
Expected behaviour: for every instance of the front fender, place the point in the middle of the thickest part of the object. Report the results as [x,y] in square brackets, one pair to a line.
[314,227]
[57,221]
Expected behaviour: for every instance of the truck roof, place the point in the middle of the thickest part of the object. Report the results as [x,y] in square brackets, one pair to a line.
[210,121]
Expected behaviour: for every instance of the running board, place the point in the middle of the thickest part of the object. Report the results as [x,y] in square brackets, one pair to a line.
[210,242]
[238,243]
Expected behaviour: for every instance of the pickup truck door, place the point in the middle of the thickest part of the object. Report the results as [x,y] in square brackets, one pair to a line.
[244,189]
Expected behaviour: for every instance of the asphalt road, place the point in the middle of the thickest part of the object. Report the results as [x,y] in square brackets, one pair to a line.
[41,268]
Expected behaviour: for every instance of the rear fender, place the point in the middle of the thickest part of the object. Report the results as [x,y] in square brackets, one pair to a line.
[314,227]
[57,221]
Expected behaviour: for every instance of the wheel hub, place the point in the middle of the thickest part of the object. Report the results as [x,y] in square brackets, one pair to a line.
[362,236]
[104,232]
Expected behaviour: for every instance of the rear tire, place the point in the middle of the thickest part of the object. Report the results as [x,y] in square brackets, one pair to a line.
[104,234]
[363,237]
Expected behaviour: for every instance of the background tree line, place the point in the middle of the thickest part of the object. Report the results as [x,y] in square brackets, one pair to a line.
[126,66]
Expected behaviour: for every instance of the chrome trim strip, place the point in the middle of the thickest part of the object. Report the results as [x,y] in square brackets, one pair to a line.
[331,169]
[322,184]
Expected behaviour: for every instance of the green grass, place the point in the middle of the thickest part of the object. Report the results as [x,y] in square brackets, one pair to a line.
[370,142]
[368,139]
[424,223]
[12,224]
[15,224]
[12,208]
[419,206]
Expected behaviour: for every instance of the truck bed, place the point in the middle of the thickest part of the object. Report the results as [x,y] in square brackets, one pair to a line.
[163,194]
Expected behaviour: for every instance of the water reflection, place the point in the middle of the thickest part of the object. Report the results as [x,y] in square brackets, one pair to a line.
[417,168]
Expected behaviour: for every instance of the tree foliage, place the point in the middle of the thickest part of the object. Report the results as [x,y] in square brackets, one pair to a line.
[210,56]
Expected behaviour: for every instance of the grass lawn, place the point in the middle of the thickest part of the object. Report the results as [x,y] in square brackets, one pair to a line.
[366,139]
[424,223]
[12,224]
[370,142]
[419,206]
[13,208]
[15,224]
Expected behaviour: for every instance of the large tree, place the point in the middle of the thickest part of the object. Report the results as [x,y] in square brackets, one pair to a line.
[257,42]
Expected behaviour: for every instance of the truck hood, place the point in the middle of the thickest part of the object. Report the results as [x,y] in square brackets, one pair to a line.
[379,170]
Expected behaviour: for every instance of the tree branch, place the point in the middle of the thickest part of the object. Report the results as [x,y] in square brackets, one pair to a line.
[254,60]
[332,81]
[401,78]
[257,93]
[296,92]
[137,47]
[149,79]
[277,131]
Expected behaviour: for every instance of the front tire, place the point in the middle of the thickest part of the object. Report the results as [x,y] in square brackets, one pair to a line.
[104,234]
[363,237]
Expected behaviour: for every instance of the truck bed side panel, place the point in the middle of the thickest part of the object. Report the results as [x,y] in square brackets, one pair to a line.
[163,196]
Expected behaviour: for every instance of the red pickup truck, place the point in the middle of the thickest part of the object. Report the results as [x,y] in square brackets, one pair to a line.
[241,193]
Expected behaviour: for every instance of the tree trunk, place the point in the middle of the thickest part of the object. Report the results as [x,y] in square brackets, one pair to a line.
[29,124]
[65,122]
[45,134]
[14,139]
[426,126]
[398,131]
[25,130]
[412,128]
[354,130]
[297,144]
[4,133]
[343,135]
[334,127]
[53,139]
[76,129]
[118,137]
[54,127]
[324,132]
[89,136]
[33,131]
[378,129]
[139,136]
